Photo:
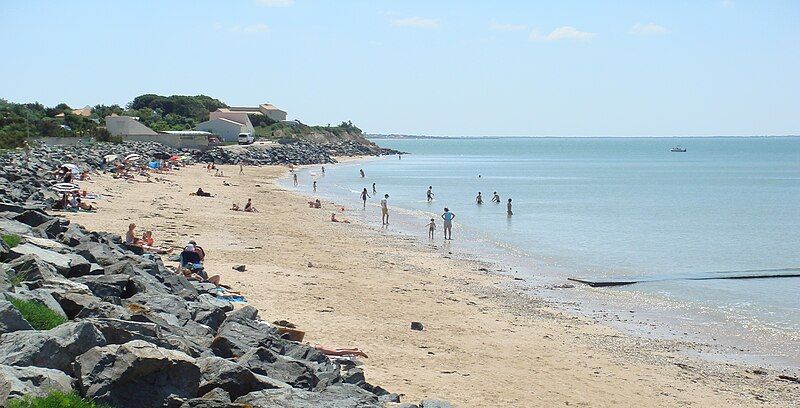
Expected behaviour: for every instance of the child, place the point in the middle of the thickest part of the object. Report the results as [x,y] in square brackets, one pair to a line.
[431,227]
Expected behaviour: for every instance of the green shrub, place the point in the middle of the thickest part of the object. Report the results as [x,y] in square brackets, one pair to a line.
[12,240]
[54,400]
[38,315]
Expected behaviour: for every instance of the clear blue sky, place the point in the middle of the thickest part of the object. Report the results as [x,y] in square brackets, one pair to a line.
[427,67]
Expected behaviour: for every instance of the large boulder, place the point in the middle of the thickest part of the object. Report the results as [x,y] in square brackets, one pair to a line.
[60,262]
[118,285]
[98,253]
[31,268]
[297,373]
[16,382]
[209,310]
[434,403]
[233,378]
[80,305]
[41,296]
[136,374]
[337,396]
[55,348]
[236,336]
[33,218]
[10,318]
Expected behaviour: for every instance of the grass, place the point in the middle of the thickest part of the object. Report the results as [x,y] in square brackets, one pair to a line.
[38,315]
[54,400]
[12,240]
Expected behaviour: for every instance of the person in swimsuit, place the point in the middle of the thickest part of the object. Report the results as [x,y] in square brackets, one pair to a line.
[295,179]
[314,185]
[385,209]
[508,208]
[448,223]
[130,236]
[249,206]
[479,199]
[323,170]
[495,198]
[431,228]
[362,172]
[374,189]
[429,194]
[364,196]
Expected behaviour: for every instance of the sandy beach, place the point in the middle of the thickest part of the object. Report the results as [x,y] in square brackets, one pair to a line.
[484,343]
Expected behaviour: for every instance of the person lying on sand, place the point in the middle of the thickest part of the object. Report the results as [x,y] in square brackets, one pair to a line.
[201,193]
[339,351]
[235,207]
[333,219]
[315,204]
[200,275]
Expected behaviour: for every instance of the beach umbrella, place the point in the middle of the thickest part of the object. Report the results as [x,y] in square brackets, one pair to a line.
[73,168]
[65,187]
[132,157]
[110,157]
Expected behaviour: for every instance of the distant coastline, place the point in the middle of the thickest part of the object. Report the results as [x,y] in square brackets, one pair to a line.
[379,136]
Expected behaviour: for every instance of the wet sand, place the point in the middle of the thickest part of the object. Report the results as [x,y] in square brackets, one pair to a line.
[484,343]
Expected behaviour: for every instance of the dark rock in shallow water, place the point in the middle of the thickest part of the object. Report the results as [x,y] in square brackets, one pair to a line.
[16,382]
[55,348]
[136,374]
[10,318]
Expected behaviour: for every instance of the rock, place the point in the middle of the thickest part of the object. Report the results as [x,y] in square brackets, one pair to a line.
[79,305]
[16,382]
[240,268]
[55,348]
[297,373]
[5,282]
[168,306]
[67,265]
[73,235]
[119,285]
[434,403]
[136,374]
[209,310]
[233,378]
[416,326]
[337,396]
[14,227]
[32,218]
[237,335]
[11,320]
[52,228]
[98,253]
[29,268]
[37,295]
[217,394]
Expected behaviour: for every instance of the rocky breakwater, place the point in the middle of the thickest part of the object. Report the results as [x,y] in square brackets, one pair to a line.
[82,312]
[292,151]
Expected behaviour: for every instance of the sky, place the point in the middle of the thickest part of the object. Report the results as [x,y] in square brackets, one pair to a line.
[450,68]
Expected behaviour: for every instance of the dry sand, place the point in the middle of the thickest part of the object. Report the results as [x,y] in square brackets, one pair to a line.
[484,343]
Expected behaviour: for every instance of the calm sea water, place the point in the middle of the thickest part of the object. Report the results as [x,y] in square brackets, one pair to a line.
[612,207]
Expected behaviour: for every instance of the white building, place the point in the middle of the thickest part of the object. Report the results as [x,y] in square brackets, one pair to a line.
[226,128]
[265,109]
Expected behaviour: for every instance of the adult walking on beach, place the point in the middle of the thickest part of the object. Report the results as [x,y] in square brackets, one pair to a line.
[294,177]
[364,196]
[241,168]
[479,199]
[374,189]
[448,218]
[385,209]
[495,198]
[508,208]
[429,194]
[362,172]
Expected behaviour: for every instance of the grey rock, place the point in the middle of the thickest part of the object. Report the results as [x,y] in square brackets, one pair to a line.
[16,382]
[209,310]
[217,394]
[79,305]
[233,378]
[337,396]
[36,295]
[29,268]
[434,403]
[14,227]
[51,228]
[119,285]
[55,348]
[136,374]
[98,253]
[297,373]
[32,218]
[10,318]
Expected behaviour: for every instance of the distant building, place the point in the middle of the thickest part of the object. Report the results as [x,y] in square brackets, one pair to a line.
[265,109]
[129,128]
[86,111]
[226,128]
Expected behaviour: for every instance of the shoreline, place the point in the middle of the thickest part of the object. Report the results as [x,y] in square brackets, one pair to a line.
[485,342]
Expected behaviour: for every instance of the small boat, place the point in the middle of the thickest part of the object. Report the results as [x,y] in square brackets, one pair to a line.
[678,149]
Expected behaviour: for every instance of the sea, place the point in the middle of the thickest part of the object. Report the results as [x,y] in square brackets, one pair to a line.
[610,210]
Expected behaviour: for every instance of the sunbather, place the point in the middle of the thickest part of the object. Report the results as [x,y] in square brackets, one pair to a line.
[249,206]
[337,351]
[235,207]
[315,204]
[202,193]
[130,236]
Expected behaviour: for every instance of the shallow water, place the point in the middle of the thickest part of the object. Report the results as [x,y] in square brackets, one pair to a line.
[612,207]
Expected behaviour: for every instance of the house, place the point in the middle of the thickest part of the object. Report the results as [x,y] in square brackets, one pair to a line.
[227,125]
[86,111]
[265,109]
[129,128]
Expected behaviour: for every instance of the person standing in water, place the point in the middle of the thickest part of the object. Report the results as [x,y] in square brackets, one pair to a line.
[314,185]
[431,228]
[362,172]
[374,189]
[448,223]
[294,177]
[495,198]
[364,196]
[429,194]
[323,170]
[385,209]
[479,199]
[508,208]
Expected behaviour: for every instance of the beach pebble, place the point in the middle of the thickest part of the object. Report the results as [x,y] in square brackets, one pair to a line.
[416,326]
[240,268]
